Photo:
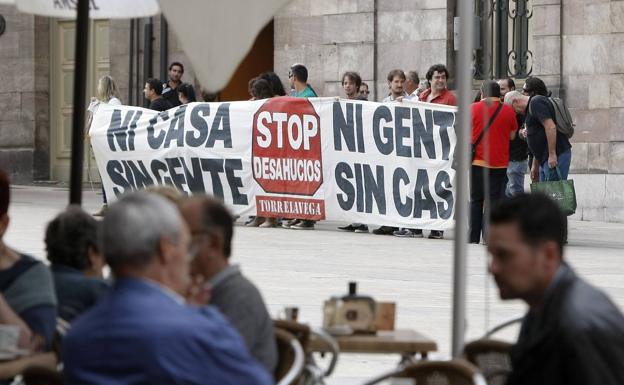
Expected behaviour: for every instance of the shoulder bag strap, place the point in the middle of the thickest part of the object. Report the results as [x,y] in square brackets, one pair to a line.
[487,127]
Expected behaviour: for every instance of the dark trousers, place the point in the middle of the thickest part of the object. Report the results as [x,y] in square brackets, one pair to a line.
[477,196]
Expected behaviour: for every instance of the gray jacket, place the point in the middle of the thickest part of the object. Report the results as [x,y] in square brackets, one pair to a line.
[242,304]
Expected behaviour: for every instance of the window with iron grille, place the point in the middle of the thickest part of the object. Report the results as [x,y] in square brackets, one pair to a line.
[504,48]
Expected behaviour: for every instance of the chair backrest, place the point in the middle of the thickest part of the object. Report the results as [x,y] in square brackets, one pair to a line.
[454,372]
[491,357]
[301,331]
[291,358]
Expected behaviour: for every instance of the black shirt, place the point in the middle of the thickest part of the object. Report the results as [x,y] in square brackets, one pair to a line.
[518,147]
[171,94]
[540,110]
[160,104]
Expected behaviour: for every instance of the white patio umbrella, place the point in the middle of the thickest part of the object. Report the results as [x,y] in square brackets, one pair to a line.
[216,36]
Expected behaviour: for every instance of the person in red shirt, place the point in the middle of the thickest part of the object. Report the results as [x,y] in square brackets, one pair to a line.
[491,155]
[437,93]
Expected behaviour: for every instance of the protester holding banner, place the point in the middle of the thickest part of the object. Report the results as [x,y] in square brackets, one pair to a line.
[186,93]
[396,81]
[153,92]
[261,89]
[170,89]
[298,77]
[107,92]
[364,91]
[438,93]
[276,83]
[351,83]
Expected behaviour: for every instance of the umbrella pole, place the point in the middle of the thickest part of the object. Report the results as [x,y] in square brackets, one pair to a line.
[464,87]
[78,121]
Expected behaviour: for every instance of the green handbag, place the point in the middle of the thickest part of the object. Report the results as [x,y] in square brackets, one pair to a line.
[562,191]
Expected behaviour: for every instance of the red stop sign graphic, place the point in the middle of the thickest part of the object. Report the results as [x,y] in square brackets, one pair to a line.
[286,152]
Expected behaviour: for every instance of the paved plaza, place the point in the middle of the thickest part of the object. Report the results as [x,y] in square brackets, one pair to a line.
[303,268]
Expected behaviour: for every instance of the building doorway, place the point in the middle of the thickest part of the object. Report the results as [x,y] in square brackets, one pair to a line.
[62,64]
[258,60]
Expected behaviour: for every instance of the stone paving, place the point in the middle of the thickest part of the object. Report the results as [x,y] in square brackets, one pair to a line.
[303,268]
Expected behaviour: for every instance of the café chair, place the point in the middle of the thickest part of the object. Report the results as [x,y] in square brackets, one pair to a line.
[454,372]
[313,374]
[491,357]
[291,358]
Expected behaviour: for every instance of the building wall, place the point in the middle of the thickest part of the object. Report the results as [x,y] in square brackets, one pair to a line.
[593,79]
[24,122]
[331,37]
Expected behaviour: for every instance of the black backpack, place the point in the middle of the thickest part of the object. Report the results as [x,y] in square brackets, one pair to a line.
[563,118]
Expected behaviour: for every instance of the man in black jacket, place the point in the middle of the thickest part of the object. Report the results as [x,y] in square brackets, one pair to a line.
[572,333]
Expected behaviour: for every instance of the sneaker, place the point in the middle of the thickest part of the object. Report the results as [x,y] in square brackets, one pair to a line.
[257,221]
[269,222]
[303,225]
[361,229]
[436,234]
[350,227]
[249,220]
[385,230]
[288,223]
[403,233]
[417,233]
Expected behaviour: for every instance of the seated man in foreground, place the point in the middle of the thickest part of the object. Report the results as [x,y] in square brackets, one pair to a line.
[211,227]
[76,263]
[143,332]
[572,333]
[27,297]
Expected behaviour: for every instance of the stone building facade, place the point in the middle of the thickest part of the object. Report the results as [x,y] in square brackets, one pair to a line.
[577,47]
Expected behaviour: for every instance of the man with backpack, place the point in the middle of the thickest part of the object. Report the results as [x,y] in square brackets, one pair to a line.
[549,127]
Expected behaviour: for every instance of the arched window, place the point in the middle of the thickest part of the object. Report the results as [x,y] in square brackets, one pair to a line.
[504,48]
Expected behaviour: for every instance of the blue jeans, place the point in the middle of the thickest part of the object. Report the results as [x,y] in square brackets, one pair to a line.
[563,161]
[515,177]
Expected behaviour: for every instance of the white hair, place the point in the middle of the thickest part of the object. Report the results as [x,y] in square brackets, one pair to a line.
[133,227]
[512,96]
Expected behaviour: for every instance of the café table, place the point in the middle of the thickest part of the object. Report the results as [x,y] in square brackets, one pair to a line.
[408,343]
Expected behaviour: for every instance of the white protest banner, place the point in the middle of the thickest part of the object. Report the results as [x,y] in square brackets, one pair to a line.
[318,158]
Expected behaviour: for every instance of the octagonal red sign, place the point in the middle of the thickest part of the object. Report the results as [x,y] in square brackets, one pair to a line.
[286,147]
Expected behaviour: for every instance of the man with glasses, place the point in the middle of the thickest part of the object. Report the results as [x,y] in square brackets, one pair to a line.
[211,227]
[364,92]
[551,149]
[143,331]
[298,77]
[412,82]
[518,150]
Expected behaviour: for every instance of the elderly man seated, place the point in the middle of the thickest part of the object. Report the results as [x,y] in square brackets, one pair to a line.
[143,332]
[236,297]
